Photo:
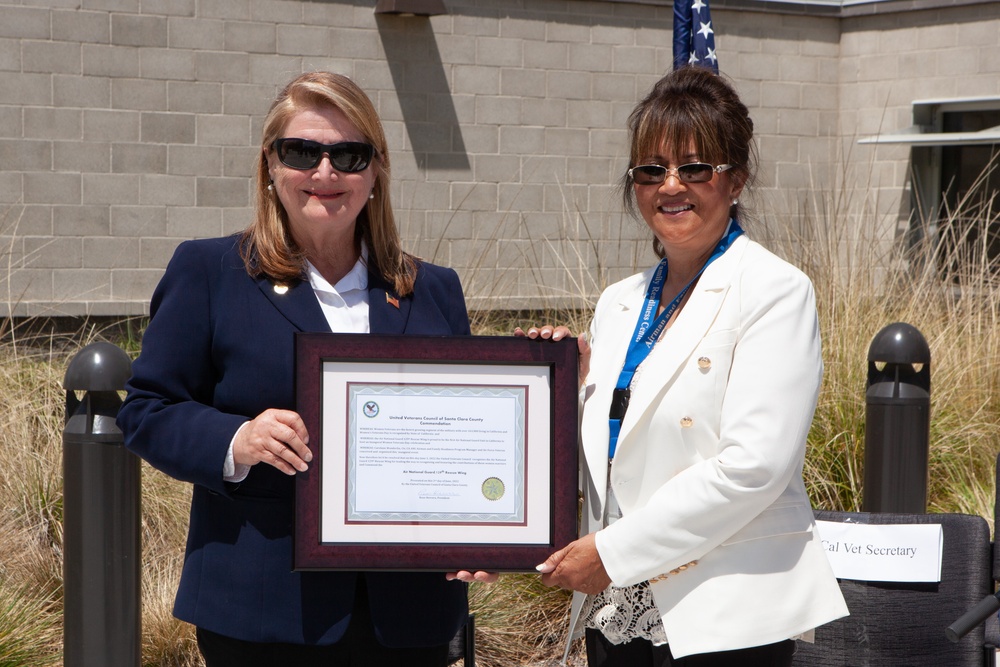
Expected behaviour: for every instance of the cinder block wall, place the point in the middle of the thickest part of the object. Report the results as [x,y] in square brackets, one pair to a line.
[128,126]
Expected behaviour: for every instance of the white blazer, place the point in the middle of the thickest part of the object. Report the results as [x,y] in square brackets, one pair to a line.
[708,468]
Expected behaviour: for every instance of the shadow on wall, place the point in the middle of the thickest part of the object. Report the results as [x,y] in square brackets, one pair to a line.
[422,88]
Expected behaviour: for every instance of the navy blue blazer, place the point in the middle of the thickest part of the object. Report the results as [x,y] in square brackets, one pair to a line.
[218,351]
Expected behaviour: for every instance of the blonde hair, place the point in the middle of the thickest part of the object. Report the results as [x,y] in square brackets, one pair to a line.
[266,246]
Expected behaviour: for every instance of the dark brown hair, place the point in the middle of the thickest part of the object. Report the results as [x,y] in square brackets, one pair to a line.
[692,106]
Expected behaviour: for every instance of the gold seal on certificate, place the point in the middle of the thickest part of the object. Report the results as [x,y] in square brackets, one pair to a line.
[493,488]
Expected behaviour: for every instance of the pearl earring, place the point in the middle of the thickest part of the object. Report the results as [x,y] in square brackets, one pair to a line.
[270,186]
[371,196]
[736,202]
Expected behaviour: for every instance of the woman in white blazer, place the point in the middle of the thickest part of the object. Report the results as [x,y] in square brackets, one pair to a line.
[699,545]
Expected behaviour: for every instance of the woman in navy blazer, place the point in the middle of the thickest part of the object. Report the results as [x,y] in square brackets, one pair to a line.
[211,399]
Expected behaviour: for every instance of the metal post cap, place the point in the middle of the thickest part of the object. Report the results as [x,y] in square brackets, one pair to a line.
[99,366]
[899,343]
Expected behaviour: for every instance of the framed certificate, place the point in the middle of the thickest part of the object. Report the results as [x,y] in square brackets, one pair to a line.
[435,453]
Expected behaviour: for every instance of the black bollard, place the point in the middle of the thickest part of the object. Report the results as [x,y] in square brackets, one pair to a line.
[101,538]
[897,426]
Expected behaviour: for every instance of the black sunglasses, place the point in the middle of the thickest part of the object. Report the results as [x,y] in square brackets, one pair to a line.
[347,156]
[694,172]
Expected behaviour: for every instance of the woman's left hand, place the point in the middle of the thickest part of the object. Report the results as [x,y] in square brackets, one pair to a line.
[557,333]
[576,567]
[471,577]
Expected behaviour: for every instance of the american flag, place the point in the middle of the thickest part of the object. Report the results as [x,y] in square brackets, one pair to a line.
[694,39]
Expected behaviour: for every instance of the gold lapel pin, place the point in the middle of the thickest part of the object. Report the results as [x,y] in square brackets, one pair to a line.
[704,362]
[280,289]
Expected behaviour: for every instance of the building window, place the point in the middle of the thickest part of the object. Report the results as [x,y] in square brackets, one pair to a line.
[955,169]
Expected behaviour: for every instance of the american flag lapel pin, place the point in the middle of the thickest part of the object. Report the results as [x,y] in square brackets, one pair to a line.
[391,299]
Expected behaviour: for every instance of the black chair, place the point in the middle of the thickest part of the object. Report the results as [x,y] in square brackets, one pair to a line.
[463,645]
[903,624]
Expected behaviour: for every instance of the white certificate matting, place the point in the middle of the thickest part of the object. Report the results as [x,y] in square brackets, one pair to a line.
[445,456]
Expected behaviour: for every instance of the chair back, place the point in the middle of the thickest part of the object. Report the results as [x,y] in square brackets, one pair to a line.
[902,624]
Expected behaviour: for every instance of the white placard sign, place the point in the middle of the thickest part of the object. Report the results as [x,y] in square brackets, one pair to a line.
[887,552]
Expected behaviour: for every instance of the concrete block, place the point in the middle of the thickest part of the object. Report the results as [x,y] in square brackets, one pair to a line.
[81,156]
[223,9]
[138,94]
[58,253]
[169,128]
[166,190]
[303,40]
[235,220]
[188,222]
[172,8]
[499,52]
[10,122]
[546,112]
[497,110]
[457,49]
[138,30]
[80,221]
[76,285]
[567,141]
[170,64]
[52,123]
[138,221]
[470,79]
[224,67]
[223,192]
[544,169]
[22,89]
[51,188]
[521,197]
[353,44]
[113,61]
[546,55]
[281,11]
[568,32]
[192,97]
[29,220]
[81,91]
[25,23]
[110,252]
[108,125]
[522,82]
[274,71]
[141,158]
[239,161]
[188,160]
[115,189]
[50,57]
[474,196]
[496,168]
[134,284]
[250,37]
[194,33]
[25,155]
[76,25]
[522,140]
[222,130]
[10,55]
[569,85]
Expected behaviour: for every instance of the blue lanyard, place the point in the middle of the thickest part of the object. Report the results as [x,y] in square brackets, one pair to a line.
[647,333]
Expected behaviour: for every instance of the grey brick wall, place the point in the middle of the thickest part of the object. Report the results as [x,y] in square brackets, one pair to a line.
[127,126]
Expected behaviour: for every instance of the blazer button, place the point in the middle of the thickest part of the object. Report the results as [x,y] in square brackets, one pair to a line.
[704,363]
[686,422]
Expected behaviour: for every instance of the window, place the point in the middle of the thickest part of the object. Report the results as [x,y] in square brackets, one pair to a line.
[955,168]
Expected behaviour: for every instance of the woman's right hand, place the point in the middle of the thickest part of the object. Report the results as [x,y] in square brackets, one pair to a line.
[555,333]
[276,437]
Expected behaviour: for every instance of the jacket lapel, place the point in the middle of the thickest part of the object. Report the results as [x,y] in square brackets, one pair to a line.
[387,312]
[297,302]
[678,343]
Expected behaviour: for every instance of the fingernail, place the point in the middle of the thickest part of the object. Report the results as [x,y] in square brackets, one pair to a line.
[308,457]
